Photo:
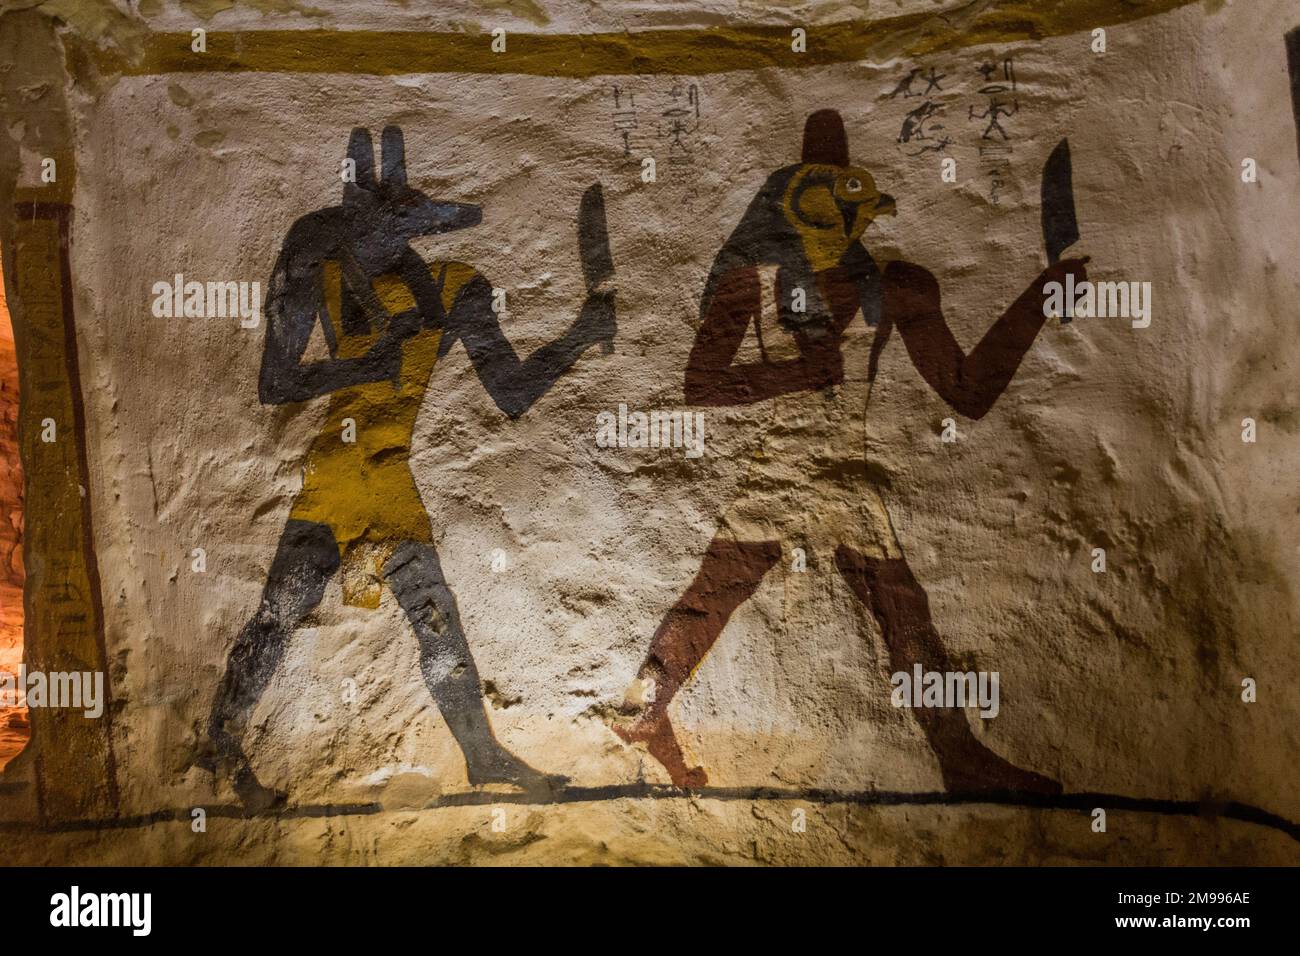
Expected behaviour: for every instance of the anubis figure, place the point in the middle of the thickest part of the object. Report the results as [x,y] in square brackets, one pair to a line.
[387,316]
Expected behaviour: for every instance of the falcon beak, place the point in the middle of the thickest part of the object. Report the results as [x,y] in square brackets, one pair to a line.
[849,213]
[885,205]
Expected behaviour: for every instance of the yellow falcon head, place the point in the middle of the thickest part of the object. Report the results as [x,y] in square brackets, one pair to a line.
[829,202]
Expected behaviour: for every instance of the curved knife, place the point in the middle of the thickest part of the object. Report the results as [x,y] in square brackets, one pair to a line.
[1060,226]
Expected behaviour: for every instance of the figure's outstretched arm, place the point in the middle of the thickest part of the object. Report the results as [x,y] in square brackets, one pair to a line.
[969,383]
[293,306]
[515,384]
[713,377]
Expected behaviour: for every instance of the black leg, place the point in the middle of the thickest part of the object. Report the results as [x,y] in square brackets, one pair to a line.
[305,560]
[414,574]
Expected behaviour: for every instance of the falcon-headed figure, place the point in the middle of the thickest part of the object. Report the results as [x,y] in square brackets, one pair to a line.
[796,273]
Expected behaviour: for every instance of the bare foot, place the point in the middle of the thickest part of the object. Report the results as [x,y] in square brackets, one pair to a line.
[980,770]
[252,794]
[504,767]
[224,758]
[653,729]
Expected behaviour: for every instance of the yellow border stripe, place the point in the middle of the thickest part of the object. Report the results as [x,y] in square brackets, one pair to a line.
[691,52]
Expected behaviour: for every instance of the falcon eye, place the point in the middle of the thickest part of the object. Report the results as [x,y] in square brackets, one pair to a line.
[853,185]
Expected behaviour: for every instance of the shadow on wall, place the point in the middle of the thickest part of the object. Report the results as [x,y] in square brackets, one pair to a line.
[14,727]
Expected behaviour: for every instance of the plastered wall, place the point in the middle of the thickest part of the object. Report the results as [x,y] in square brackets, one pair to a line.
[564,557]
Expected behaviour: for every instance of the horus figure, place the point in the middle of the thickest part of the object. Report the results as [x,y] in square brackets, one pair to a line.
[800,244]
[387,317]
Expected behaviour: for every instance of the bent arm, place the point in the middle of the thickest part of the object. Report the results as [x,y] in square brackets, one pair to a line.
[714,378]
[515,385]
[969,383]
[293,306]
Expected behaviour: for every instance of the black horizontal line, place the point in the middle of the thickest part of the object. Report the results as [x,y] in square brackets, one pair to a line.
[1209,810]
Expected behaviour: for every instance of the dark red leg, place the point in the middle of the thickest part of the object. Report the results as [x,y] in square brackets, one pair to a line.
[899,604]
[730,573]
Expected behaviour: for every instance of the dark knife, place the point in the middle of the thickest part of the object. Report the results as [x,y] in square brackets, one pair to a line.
[593,247]
[1060,226]
[593,239]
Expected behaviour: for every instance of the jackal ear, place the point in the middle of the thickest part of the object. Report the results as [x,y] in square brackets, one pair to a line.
[392,156]
[362,153]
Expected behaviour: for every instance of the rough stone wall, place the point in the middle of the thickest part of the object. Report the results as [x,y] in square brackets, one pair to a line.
[13,722]
[1125,684]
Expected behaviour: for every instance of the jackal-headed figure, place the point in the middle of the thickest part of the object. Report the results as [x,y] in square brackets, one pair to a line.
[387,316]
[807,484]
